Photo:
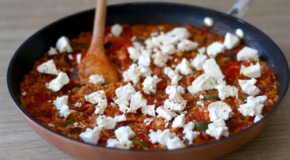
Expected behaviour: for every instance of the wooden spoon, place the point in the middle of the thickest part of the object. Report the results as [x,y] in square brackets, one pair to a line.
[95,61]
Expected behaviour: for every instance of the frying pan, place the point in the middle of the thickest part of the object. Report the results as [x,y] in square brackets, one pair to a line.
[151,12]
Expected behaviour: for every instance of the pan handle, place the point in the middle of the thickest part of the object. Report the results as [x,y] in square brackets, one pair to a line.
[239,8]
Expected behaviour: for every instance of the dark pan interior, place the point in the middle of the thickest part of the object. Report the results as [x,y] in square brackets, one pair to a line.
[33,48]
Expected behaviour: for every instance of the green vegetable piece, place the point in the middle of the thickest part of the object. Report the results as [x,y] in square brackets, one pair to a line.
[211,97]
[137,141]
[201,126]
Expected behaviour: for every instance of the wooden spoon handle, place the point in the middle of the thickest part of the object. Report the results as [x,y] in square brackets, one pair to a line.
[99,24]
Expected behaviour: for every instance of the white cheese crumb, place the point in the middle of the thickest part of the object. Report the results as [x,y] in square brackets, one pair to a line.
[132,74]
[63,45]
[184,67]
[123,134]
[231,41]
[149,84]
[198,61]
[174,143]
[99,99]
[165,113]
[91,135]
[47,67]
[79,58]
[225,91]
[252,71]
[149,109]
[120,118]
[186,45]
[173,75]
[249,87]
[96,79]
[137,102]
[106,122]
[217,129]
[201,83]
[178,121]
[116,30]
[248,54]
[253,107]
[188,132]
[123,95]
[219,110]
[57,83]
[212,69]
[168,49]
[214,49]
[52,51]
[61,105]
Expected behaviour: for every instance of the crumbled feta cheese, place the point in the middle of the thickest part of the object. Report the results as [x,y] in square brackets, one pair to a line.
[144,58]
[160,59]
[253,107]
[165,113]
[231,41]
[145,71]
[226,91]
[149,109]
[178,121]
[134,53]
[248,54]
[258,118]
[123,134]
[116,30]
[106,122]
[52,51]
[149,84]
[198,61]
[168,49]
[188,132]
[99,99]
[123,95]
[219,110]
[120,118]
[217,129]
[175,105]
[214,49]
[249,87]
[57,83]
[208,21]
[96,79]
[132,74]
[186,45]
[179,32]
[61,105]
[137,101]
[174,92]
[174,143]
[240,33]
[79,58]
[212,69]
[201,83]
[173,75]
[91,135]
[184,67]
[47,67]
[167,138]
[63,45]
[24,93]
[253,71]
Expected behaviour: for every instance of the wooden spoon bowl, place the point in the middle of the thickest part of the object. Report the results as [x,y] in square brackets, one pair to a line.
[95,61]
